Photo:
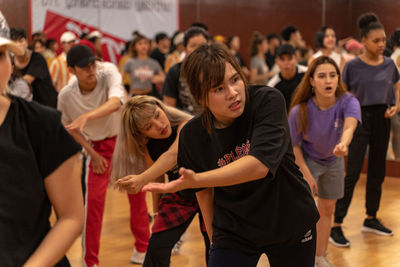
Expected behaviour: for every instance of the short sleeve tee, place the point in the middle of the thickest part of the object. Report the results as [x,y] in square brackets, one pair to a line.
[261,66]
[371,85]
[72,103]
[176,87]
[324,127]
[33,143]
[253,215]
[141,72]
[43,90]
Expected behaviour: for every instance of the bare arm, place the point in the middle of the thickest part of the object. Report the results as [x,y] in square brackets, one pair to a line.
[236,172]
[304,169]
[112,105]
[254,76]
[64,190]
[205,199]
[350,125]
[170,101]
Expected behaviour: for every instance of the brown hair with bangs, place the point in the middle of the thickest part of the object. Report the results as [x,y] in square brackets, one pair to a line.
[305,91]
[203,70]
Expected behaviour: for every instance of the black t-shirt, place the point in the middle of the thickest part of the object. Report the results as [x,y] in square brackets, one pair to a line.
[33,143]
[270,59]
[240,60]
[157,147]
[253,215]
[43,90]
[287,87]
[176,87]
[159,56]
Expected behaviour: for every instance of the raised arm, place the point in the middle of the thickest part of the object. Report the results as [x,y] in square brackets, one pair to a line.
[112,105]
[64,190]
[350,125]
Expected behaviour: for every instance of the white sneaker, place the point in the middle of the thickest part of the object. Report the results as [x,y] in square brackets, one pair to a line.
[137,257]
[321,261]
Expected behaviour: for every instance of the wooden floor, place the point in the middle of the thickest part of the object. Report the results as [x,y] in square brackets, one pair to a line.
[366,249]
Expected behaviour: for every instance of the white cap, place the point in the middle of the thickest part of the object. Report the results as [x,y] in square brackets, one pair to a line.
[94,34]
[178,39]
[15,48]
[67,37]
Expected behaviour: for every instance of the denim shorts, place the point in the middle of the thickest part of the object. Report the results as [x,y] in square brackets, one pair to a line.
[329,178]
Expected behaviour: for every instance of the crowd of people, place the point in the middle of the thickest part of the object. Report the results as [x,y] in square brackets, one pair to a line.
[186,119]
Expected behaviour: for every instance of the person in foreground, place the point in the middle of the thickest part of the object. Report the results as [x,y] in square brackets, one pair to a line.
[39,169]
[322,121]
[238,156]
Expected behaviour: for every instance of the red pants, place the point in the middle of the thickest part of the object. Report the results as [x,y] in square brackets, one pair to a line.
[96,187]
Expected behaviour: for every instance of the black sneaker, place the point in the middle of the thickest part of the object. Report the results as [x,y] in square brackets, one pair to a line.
[375,226]
[337,237]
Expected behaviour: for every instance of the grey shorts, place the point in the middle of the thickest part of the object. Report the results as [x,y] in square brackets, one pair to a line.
[329,178]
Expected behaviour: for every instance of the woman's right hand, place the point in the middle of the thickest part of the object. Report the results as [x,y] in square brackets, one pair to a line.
[186,180]
[131,183]
[313,185]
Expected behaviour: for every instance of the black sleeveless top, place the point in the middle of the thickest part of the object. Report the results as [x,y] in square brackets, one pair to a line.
[157,147]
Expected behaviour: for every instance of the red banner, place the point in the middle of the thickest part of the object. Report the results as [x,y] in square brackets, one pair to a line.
[55,25]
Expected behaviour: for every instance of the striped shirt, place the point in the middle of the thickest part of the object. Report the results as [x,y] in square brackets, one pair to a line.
[59,72]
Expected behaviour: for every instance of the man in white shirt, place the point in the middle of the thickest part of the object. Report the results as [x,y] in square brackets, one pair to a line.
[90,106]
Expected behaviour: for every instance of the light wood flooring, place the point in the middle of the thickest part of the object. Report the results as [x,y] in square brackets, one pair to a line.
[366,249]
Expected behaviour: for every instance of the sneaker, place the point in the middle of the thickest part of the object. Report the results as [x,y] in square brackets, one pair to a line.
[375,226]
[177,247]
[337,237]
[137,257]
[321,261]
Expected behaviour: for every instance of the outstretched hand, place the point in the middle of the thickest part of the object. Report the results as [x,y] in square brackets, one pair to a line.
[131,183]
[186,180]
[78,124]
[340,150]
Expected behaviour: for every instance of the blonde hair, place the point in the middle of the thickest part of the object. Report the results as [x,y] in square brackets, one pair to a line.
[129,153]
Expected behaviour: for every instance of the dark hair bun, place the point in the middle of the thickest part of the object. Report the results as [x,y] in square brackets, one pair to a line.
[367,19]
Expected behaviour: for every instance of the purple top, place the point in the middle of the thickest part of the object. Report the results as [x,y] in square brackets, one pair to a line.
[372,85]
[324,128]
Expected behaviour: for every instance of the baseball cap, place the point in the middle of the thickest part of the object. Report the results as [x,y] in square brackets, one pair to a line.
[13,47]
[67,37]
[93,34]
[178,39]
[285,49]
[80,55]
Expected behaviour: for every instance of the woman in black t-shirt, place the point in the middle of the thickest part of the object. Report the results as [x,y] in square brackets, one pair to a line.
[256,200]
[146,149]
[39,169]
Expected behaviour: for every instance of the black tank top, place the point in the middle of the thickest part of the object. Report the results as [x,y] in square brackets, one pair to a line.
[157,147]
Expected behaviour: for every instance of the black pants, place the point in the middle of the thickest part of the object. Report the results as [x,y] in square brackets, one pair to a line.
[160,244]
[300,253]
[374,131]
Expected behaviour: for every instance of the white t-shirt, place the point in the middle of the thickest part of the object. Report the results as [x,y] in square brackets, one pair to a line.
[72,103]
